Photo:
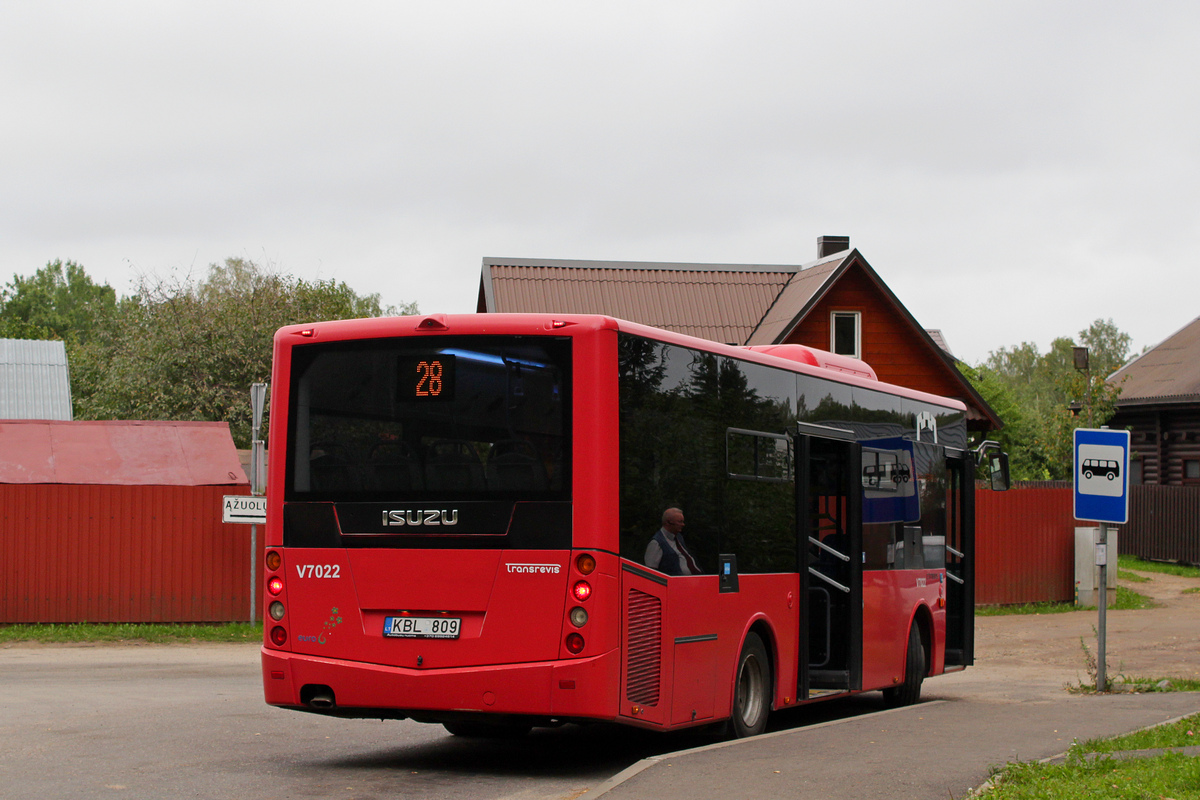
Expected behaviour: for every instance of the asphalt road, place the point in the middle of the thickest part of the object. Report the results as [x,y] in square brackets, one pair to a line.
[189,721]
[169,721]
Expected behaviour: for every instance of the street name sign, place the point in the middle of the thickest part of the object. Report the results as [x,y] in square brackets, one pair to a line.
[244,508]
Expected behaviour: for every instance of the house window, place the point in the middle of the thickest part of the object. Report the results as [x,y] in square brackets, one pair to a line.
[1191,470]
[845,333]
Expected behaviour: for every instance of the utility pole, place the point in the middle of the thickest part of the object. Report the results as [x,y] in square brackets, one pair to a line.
[1082,364]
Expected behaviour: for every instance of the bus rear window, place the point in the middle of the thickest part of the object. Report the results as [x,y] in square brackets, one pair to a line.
[482,417]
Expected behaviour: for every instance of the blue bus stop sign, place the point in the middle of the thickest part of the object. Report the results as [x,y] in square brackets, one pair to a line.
[1102,475]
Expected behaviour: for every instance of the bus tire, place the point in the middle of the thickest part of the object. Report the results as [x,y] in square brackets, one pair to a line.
[487,730]
[751,690]
[909,692]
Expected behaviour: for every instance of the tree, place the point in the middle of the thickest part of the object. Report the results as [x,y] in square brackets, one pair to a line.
[59,301]
[1048,398]
[186,350]
[1022,427]
[1096,403]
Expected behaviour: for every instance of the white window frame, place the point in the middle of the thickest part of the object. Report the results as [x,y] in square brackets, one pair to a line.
[857,315]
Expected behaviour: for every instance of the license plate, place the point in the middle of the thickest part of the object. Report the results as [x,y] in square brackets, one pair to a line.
[422,627]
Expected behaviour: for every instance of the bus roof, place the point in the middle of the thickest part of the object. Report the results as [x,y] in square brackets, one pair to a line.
[804,360]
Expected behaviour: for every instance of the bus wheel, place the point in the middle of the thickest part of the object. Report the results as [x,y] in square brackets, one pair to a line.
[909,692]
[752,692]
[487,730]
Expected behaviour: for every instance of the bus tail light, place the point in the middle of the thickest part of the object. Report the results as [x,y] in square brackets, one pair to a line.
[579,616]
[279,636]
[582,590]
[585,563]
[275,585]
[276,610]
[274,560]
[574,643]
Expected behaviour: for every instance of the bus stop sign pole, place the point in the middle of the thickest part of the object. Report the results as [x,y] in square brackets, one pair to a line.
[1102,495]
[258,394]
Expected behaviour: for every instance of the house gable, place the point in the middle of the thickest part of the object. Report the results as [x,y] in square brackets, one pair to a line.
[893,343]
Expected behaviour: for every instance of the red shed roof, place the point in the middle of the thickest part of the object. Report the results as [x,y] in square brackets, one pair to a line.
[119,453]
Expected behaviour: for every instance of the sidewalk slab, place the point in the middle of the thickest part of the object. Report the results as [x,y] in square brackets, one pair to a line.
[943,748]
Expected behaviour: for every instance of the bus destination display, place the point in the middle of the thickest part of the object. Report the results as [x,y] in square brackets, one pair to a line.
[428,377]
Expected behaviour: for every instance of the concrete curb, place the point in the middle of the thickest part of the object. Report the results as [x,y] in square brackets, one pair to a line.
[647,763]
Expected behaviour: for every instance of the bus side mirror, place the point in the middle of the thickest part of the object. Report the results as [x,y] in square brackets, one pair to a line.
[998,471]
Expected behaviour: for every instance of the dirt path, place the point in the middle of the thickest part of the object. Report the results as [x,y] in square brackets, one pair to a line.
[1155,642]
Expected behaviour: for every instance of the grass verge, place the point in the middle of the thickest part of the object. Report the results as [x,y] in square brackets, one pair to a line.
[1089,772]
[1132,683]
[1133,562]
[130,632]
[1127,600]
[1170,775]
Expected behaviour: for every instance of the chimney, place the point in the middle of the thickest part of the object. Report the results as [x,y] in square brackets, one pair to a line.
[828,245]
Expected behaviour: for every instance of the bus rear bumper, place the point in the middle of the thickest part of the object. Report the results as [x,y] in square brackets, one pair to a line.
[585,688]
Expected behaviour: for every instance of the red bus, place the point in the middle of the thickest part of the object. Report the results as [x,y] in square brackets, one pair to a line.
[460,509]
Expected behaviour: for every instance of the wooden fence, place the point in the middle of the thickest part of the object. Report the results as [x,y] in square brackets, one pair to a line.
[1164,523]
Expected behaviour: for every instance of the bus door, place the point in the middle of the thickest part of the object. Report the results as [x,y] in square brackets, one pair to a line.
[960,562]
[829,499]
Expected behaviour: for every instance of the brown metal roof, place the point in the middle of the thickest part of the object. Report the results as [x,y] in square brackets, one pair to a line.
[750,304]
[803,290]
[1168,373]
[719,302]
[119,453]
[939,340]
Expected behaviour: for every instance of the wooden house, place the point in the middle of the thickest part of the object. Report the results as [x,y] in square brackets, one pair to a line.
[1160,405]
[837,302]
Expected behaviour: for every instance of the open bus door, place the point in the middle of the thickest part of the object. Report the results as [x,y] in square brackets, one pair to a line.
[829,505]
[960,562]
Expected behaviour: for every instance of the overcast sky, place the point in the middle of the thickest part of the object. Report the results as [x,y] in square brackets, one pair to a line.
[1013,170]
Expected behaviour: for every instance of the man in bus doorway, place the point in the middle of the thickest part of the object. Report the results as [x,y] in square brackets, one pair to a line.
[667,551]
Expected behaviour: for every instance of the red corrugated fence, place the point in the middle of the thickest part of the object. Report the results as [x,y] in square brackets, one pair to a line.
[71,553]
[1025,545]
[78,553]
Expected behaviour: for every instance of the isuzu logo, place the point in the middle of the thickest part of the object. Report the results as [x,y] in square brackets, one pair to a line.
[414,517]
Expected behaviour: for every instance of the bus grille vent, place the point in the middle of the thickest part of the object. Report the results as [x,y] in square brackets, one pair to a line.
[644,652]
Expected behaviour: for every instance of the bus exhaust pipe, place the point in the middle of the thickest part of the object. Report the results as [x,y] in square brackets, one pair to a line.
[321,697]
